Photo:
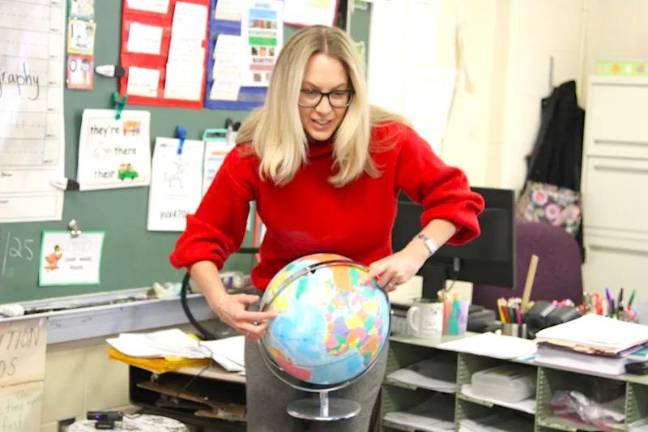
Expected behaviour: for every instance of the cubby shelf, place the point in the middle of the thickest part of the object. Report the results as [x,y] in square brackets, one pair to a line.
[405,351]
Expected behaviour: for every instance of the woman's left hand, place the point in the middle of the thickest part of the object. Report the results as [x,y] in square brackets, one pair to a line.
[398,268]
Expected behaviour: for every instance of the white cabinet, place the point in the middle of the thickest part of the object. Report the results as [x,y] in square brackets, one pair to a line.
[615,187]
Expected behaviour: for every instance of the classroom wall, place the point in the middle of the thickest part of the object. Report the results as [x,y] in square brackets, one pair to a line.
[508,44]
[80,377]
[614,30]
[507,49]
[468,142]
[538,32]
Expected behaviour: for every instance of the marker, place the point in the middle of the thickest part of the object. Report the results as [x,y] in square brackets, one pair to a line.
[634,291]
[110,71]
[65,184]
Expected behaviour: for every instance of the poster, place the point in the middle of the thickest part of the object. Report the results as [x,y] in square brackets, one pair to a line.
[114,153]
[70,260]
[176,183]
[262,32]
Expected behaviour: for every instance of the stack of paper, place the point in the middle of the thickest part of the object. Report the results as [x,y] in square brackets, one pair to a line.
[436,413]
[591,343]
[595,334]
[164,343]
[569,359]
[228,352]
[429,374]
[492,345]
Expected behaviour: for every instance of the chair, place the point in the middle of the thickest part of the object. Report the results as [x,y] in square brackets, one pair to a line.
[558,275]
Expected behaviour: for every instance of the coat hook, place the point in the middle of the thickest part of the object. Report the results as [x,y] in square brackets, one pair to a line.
[551,73]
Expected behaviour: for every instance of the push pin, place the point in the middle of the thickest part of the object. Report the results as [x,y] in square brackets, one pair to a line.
[73,227]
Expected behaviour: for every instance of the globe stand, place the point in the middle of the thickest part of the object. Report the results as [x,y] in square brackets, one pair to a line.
[324,409]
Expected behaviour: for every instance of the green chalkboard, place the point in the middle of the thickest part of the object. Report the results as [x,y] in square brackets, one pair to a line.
[132,256]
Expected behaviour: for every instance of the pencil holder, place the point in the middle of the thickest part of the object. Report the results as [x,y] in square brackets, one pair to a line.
[513,329]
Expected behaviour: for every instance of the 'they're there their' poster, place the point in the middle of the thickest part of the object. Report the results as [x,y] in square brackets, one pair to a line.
[114,153]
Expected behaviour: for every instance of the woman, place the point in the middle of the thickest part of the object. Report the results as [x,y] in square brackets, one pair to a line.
[325,170]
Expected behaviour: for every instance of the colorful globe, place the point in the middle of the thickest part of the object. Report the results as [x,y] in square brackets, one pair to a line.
[330,327]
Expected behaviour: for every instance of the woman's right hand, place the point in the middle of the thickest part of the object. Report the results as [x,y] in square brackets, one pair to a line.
[231,309]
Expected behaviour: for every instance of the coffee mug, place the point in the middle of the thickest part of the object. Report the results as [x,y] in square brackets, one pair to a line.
[425,319]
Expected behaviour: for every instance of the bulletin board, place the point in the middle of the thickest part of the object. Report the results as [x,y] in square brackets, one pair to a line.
[132,256]
[156,62]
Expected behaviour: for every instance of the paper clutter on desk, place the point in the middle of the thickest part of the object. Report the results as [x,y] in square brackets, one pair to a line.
[228,352]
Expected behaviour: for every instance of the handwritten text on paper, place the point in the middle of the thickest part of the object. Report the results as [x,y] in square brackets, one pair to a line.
[22,351]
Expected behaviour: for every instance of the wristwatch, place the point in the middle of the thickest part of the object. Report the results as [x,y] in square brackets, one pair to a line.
[429,243]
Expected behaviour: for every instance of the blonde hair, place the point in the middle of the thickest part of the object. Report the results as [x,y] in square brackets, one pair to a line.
[275,130]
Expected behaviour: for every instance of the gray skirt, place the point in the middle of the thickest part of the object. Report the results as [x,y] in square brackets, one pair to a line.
[267,398]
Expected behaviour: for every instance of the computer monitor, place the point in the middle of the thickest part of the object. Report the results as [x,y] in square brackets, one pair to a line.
[489,259]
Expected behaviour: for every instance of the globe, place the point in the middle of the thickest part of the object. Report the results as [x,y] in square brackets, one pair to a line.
[330,328]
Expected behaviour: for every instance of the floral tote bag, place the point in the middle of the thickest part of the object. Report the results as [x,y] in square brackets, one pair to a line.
[550,204]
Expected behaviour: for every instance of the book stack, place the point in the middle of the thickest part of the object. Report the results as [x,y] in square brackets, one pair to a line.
[592,343]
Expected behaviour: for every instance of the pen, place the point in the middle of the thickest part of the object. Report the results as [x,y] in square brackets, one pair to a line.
[610,301]
[620,307]
[620,299]
[632,296]
[608,295]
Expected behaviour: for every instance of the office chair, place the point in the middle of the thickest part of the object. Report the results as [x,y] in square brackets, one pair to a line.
[558,275]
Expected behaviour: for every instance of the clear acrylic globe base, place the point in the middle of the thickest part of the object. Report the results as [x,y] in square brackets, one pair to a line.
[322,407]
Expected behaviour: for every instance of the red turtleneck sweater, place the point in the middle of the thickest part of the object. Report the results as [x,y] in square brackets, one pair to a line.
[309,215]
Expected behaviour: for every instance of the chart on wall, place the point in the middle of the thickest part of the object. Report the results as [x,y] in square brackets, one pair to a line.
[32,144]
[245,38]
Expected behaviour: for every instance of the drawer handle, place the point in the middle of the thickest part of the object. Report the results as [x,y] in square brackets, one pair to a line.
[620,142]
[612,249]
[621,169]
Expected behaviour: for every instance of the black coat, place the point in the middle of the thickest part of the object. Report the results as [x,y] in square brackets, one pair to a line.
[557,153]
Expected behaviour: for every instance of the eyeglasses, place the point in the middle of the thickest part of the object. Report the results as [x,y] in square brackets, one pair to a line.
[310,98]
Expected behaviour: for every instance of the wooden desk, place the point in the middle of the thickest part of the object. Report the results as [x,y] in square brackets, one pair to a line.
[205,398]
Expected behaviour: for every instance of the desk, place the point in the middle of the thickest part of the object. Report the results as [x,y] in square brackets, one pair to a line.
[205,398]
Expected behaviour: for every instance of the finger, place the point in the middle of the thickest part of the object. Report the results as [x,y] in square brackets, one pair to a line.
[247,298]
[254,331]
[257,316]
[387,278]
[375,269]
